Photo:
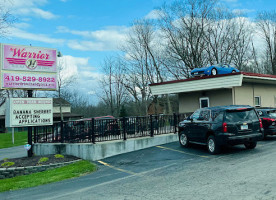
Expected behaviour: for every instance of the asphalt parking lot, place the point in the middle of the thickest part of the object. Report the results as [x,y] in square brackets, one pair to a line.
[171,172]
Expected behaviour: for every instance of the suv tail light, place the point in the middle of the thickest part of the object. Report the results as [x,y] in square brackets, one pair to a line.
[261,124]
[269,119]
[224,127]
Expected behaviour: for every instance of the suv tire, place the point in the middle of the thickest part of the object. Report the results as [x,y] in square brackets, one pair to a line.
[212,145]
[250,145]
[183,139]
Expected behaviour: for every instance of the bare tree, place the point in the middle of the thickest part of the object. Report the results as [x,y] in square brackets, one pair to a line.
[184,25]
[228,38]
[114,93]
[146,62]
[200,33]
[6,18]
[64,81]
[266,21]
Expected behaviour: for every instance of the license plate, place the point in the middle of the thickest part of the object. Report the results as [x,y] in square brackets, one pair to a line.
[196,72]
[244,127]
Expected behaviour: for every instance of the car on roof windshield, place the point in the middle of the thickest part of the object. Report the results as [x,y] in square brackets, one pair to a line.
[214,70]
[268,117]
[220,126]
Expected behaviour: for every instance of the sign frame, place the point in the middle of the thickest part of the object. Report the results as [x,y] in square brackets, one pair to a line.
[17,58]
[23,112]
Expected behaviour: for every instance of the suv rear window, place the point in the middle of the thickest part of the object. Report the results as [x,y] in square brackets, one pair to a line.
[272,113]
[240,115]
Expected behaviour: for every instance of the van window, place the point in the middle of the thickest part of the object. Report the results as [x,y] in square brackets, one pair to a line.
[241,115]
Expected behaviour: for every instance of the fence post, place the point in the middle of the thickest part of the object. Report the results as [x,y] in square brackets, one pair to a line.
[61,132]
[175,122]
[92,131]
[151,127]
[124,128]
[53,132]
[45,132]
[35,134]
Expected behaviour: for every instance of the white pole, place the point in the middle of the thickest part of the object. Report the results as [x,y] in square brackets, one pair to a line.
[12,135]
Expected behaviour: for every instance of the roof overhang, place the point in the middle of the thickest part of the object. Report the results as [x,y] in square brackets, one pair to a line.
[197,84]
[261,80]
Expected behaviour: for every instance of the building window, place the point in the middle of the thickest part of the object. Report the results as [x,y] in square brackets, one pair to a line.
[204,102]
[258,101]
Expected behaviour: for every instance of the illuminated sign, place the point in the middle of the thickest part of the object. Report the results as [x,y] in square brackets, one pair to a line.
[22,112]
[27,67]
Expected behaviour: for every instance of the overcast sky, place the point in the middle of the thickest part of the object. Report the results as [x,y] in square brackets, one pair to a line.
[86,31]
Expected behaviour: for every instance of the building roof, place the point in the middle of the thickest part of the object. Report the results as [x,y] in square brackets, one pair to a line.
[66,115]
[60,101]
[210,82]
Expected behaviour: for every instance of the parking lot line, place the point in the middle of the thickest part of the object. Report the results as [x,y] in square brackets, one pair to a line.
[181,151]
[116,168]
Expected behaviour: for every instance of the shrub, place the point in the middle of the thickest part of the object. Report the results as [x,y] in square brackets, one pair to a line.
[7,164]
[43,159]
[5,159]
[59,156]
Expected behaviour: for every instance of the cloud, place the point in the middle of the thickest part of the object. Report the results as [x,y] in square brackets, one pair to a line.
[43,14]
[18,33]
[22,25]
[87,76]
[30,8]
[154,14]
[25,3]
[70,65]
[36,12]
[101,40]
[243,11]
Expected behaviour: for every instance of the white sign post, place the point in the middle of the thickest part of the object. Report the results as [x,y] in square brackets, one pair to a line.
[29,112]
[28,68]
[12,135]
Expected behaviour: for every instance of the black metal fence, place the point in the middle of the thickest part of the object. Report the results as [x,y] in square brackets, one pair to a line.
[99,130]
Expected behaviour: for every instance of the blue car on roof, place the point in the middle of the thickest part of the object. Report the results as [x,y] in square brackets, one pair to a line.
[214,70]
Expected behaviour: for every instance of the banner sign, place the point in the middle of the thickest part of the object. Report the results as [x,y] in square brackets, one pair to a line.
[26,58]
[22,112]
[28,81]
[27,67]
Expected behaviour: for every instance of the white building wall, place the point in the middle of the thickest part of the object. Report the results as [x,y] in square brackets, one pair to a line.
[189,102]
[63,109]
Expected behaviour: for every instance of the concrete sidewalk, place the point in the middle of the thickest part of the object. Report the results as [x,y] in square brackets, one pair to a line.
[13,152]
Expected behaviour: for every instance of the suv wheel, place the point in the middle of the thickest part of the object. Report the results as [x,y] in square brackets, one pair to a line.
[212,145]
[250,145]
[183,139]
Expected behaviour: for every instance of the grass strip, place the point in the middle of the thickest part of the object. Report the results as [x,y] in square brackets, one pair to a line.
[54,175]
[20,138]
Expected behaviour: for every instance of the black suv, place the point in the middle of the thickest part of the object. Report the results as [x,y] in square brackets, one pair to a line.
[222,125]
[268,117]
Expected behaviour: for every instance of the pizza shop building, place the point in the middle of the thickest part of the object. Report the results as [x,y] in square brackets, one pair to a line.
[241,88]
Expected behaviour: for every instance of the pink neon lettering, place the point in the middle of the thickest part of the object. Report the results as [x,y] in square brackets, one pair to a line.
[17,52]
[24,54]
